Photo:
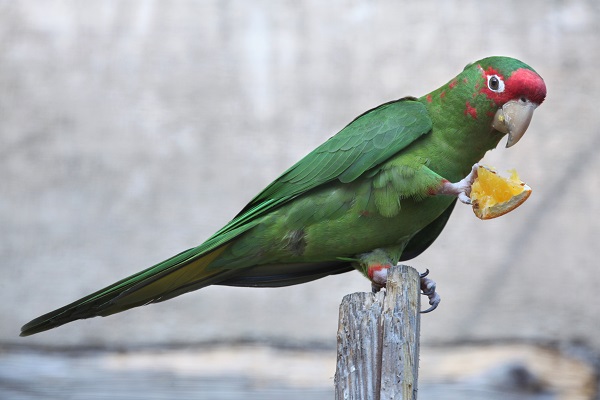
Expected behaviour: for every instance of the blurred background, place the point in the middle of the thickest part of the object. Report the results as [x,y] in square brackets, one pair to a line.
[132,130]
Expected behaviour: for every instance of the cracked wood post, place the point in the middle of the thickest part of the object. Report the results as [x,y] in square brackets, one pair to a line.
[378,340]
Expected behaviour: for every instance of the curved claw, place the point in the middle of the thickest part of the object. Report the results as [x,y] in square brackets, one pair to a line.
[434,302]
[424,274]
[428,289]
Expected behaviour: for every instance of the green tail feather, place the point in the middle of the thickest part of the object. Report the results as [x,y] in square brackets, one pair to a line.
[177,275]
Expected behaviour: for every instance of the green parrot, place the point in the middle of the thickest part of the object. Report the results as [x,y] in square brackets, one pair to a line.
[378,192]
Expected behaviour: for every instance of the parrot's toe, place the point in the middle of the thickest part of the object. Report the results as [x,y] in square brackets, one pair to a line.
[462,188]
[428,289]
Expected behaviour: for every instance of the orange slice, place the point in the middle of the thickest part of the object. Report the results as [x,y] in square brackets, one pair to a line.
[493,195]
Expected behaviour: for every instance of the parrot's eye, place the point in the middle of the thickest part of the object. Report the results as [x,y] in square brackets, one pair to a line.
[495,83]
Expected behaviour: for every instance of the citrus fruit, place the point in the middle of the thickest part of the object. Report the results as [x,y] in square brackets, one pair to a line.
[493,195]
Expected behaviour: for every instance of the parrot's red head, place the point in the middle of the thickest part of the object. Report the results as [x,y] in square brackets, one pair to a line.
[523,83]
[513,91]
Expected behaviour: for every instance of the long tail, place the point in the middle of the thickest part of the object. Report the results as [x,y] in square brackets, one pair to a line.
[177,275]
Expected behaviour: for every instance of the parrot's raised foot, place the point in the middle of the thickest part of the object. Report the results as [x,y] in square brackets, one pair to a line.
[428,289]
[462,188]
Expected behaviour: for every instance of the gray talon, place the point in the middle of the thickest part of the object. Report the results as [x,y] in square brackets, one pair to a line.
[434,301]
[428,287]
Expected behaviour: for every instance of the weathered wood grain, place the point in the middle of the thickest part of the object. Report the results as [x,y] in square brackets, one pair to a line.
[378,340]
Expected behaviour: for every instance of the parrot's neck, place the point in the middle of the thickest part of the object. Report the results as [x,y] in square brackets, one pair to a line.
[461,125]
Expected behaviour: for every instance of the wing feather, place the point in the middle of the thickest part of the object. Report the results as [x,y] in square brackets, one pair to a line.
[366,142]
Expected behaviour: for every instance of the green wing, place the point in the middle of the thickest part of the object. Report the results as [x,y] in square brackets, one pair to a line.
[364,144]
[359,148]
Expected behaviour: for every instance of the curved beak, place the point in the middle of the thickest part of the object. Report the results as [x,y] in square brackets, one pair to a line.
[514,118]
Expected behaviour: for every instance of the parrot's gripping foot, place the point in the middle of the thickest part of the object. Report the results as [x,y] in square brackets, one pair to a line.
[379,280]
[428,289]
[462,188]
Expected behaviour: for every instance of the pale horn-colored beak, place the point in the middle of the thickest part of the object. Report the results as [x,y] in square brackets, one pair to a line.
[514,118]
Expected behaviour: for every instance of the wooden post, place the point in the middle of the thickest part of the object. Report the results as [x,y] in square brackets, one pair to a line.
[378,340]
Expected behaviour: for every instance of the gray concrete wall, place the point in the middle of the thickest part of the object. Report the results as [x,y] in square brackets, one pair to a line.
[130,131]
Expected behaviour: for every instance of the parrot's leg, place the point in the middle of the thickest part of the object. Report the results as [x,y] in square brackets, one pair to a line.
[378,274]
[428,289]
[375,265]
[462,188]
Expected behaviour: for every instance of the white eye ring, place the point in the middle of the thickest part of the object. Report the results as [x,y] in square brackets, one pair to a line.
[495,83]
